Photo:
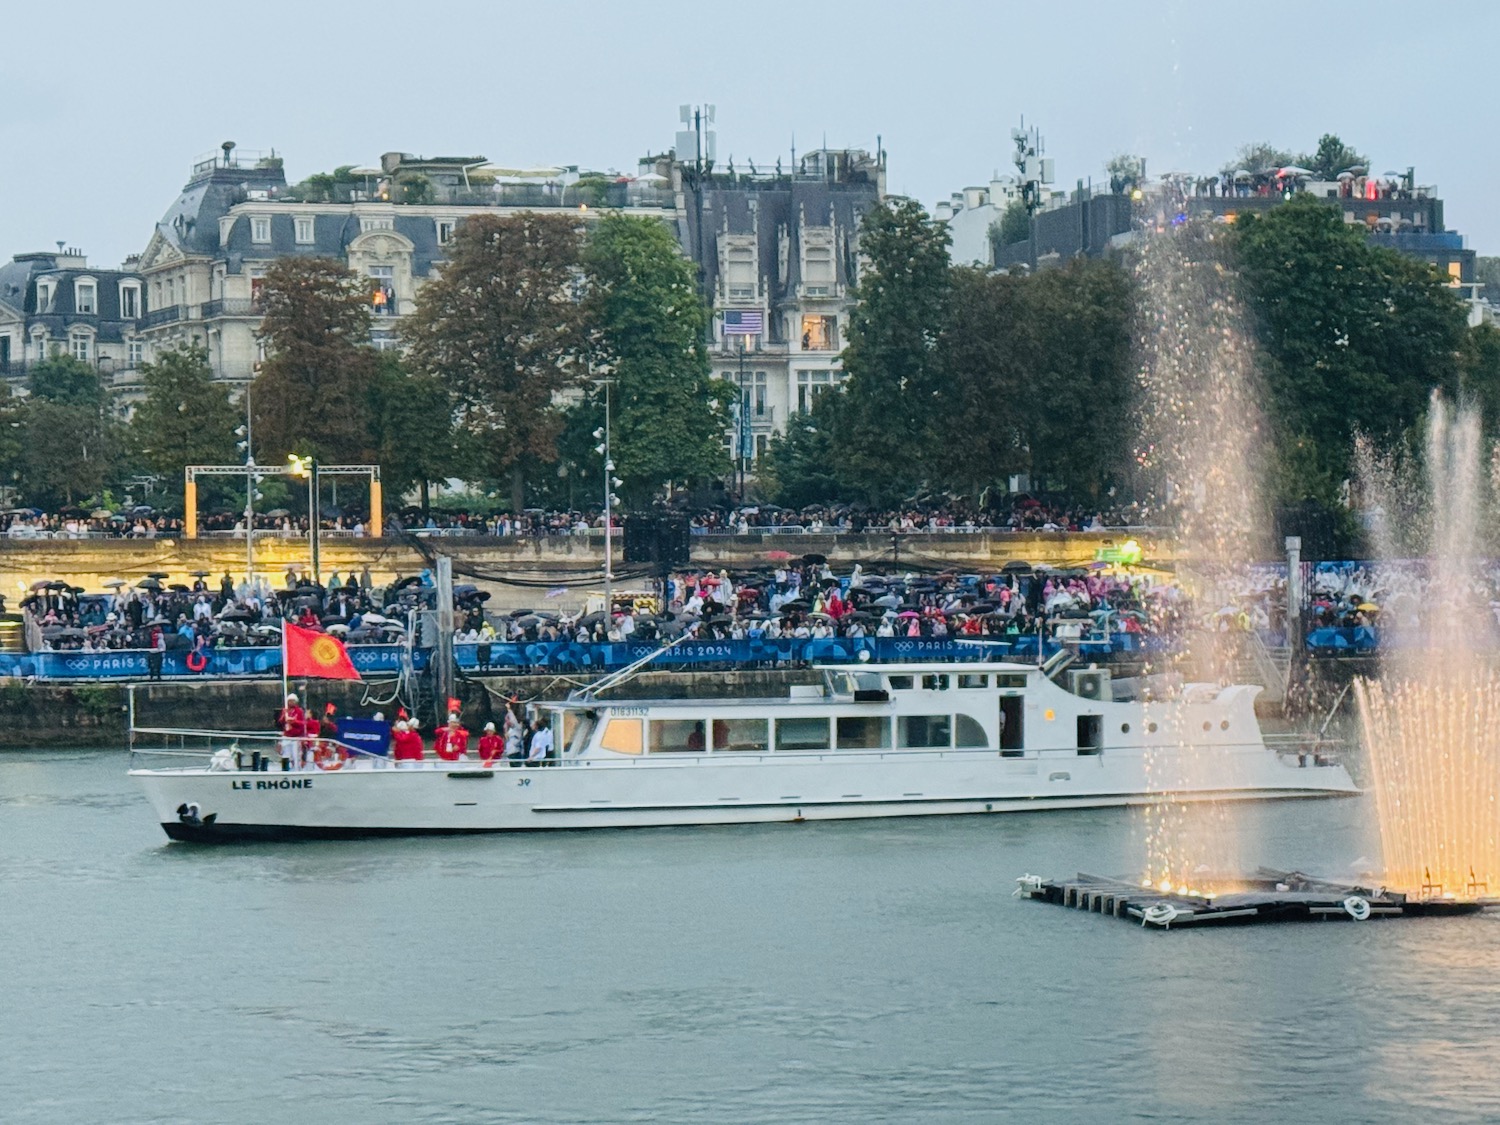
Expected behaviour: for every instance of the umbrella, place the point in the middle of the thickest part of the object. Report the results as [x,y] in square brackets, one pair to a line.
[815,560]
[237,615]
[113,583]
[778,556]
[157,574]
[148,584]
[1368,607]
[179,587]
[908,613]
[1016,567]
[278,513]
[1293,170]
[199,573]
[100,514]
[1346,175]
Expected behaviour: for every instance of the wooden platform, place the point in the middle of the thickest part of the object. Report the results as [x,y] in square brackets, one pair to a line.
[1265,896]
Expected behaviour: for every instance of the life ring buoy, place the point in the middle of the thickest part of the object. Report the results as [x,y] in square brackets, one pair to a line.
[1357,907]
[197,661]
[330,756]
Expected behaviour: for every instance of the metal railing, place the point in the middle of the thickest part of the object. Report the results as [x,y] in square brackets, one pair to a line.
[163,316]
[230,306]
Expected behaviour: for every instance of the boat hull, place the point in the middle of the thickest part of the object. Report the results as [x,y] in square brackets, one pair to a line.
[214,806]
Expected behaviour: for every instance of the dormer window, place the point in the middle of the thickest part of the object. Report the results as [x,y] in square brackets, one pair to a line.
[85,298]
[304,232]
[44,296]
[130,300]
[445,231]
[260,229]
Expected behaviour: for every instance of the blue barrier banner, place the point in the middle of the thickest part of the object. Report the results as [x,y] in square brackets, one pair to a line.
[378,661]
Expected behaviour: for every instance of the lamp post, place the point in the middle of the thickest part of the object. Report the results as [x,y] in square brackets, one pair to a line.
[249,492]
[610,483]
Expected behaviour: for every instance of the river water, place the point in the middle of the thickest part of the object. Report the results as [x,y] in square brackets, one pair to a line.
[875,971]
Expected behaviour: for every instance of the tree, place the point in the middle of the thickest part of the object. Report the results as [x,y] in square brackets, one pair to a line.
[885,432]
[799,466]
[312,395]
[1013,225]
[70,442]
[1332,157]
[503,330]
[186,418]
[1352,337]
[412,430]
[1259,156]
[669,414]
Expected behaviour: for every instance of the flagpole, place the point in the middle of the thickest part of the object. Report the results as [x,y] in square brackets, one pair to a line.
[284,688]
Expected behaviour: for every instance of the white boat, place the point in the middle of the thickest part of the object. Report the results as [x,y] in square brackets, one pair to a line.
[892,740]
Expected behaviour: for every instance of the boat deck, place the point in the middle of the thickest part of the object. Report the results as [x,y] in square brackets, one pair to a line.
[1266,896]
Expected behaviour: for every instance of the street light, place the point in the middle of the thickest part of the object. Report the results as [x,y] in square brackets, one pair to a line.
[610,483]
[308,467]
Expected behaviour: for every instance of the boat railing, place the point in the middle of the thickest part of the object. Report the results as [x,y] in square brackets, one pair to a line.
[1305,748]
[194,748]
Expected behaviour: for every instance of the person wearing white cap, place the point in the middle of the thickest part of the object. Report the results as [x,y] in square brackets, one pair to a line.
[491,745]
[452,741]
[293,723]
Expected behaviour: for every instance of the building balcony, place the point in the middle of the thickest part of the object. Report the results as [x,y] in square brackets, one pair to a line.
[231,306]
[166,315]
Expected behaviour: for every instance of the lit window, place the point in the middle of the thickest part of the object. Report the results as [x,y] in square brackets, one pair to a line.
[260,229]
[86,298]
[819,333]
[130,302]
[382,290]
[304,231]
[79,345]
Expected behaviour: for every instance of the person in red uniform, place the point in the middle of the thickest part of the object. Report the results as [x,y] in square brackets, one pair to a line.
[491,745]
[293,723]
[452,741]
[407,742]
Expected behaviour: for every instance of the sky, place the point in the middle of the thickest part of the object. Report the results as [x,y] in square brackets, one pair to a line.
[112,103]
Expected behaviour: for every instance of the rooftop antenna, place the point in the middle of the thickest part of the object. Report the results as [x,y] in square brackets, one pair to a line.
[61,242]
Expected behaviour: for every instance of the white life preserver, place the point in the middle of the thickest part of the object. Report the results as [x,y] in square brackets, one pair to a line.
[1357,907]
[1159,914]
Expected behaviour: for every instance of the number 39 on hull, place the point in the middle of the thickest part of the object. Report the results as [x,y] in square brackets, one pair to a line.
[893,740]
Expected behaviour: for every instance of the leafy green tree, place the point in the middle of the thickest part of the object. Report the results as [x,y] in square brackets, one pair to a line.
[186,418]
[1352,338]
[669,414]
[799,466]
[1479,369]
[1259,156]
[412,430]
[503,330]
[71,444]
[12,436]
[312,394]
[1332,157]
[1013,225]
[886,431]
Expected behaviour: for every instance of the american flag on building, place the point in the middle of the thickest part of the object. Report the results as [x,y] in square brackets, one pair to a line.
[744,322]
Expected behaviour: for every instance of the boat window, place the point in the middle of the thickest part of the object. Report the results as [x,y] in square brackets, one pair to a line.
[970,734]
[741,734]
[900,683]
[623,736]
[924,731]
[850,682]
[1010,681]
[971,680]
[580,726]
[802,734]
[935,682]
[676,736]
[863,732]
[1090,734]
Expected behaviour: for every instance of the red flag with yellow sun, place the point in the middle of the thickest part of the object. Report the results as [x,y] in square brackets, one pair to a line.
[310,654]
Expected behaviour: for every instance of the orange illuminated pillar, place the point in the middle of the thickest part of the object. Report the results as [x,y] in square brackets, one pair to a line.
[190,508]
[375,507]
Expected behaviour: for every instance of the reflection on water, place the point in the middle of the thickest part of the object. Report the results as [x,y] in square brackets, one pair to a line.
[819,972]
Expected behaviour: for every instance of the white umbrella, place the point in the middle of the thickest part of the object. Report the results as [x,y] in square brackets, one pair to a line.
[1293,170]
